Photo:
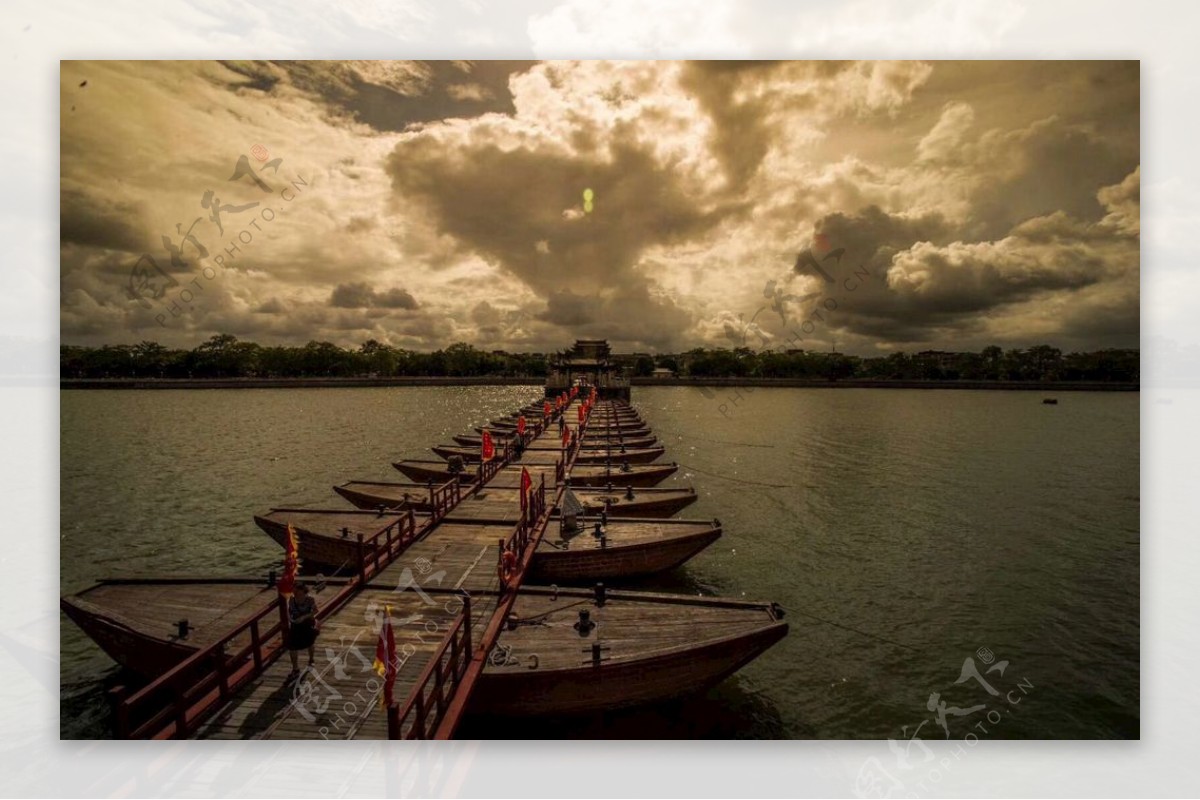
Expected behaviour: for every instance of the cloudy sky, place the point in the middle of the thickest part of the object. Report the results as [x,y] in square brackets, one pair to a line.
[423,203]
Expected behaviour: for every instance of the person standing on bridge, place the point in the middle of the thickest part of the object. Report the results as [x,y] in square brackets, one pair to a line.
[302,627]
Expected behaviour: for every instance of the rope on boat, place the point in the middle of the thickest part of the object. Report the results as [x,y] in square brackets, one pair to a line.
[504,651]
[738,480]
[536,618]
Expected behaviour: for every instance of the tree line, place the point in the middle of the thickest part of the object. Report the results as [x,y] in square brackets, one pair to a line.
[225,356]
[1039,363]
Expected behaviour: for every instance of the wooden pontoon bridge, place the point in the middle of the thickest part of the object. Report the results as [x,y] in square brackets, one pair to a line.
[452,555]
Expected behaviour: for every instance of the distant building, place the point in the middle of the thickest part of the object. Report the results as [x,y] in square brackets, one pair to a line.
[589,362]
[663,372]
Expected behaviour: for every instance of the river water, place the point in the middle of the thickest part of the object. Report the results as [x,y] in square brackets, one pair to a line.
[912,536]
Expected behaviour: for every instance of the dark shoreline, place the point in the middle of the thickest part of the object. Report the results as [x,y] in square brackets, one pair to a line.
[800,383]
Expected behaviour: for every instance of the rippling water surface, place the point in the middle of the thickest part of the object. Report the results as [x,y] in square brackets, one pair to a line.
[902,531]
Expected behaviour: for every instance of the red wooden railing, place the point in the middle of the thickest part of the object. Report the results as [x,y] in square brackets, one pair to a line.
[427,703]
[443,498]
[523,534]
[174,704]
[380,549]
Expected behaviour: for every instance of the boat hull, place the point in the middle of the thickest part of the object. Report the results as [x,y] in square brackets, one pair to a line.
[318,553]
[365,499]
[423,471]
[650,652]
[660,504]
[589,442]
[146,655]
[643,476]
[576,566]
[633,455]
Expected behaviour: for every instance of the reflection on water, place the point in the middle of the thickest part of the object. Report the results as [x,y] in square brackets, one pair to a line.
[902,531]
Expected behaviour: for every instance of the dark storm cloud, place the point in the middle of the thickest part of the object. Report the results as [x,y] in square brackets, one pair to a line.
[567,308]
[1055,167]
[86,219]
[501,203]
[393,98]
[272,306]
[988,200]
[361,295]
[741,134]
[914,280]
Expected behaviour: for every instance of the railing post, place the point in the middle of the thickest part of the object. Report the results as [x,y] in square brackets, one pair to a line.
[362,563]
[180,713]
[467,622]
[222,676]
[256,645]
[117,695]
[439,685]
[419,729]
[393,721]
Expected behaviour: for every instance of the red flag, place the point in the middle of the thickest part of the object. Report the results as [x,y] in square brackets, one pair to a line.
[526,485]
[546,409]
[521,425]
[291,562]
[487,450]
[385,656]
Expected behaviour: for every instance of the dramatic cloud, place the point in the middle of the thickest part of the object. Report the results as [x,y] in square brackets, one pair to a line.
[360,295]
[659,204]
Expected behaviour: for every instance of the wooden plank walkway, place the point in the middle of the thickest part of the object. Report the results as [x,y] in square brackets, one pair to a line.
[339,697]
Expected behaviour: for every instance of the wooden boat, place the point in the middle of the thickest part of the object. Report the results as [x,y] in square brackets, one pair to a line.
[643,502]
[595,429]
[589,441]
[629,548]
[424,471]
[397,495]
[632,455]
[634,648]
[329,537]
[583,475]
[493,504]
[636,475]
[149,625]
